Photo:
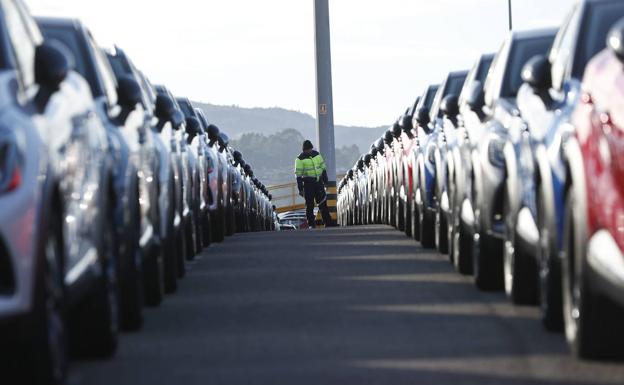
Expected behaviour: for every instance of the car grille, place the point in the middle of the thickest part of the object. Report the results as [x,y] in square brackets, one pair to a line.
[7,278]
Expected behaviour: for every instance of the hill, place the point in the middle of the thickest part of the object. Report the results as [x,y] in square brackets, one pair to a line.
[237,121]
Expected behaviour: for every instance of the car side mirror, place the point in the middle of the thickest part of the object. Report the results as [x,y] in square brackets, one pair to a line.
[615,40]
[422,117]
[193,128]
[129,93]
[396,130]
[53,62]
[163,110]
[177,119]
[536,73]
[450,106]
[406,124]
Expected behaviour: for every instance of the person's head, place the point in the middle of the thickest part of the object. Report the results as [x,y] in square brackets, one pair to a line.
[307,146]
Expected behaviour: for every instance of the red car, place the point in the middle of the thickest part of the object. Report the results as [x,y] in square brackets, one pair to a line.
[593,247]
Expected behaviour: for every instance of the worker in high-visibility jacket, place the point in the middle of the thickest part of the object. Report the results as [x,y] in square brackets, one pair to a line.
[311,178]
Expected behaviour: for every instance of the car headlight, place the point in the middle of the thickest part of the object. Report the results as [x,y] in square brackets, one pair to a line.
[495,152]
[11,163]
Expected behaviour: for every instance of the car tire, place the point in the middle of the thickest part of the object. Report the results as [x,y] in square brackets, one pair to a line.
[407,219]
[593,323]
[94,324]
[519,266]
[46,348]
[551,301]
[463,249]
[427,228]
[441,231]
[130,273]
[230,221]
[183,247]
[487,262]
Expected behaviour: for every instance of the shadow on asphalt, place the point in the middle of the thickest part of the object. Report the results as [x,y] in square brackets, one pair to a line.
[362,305]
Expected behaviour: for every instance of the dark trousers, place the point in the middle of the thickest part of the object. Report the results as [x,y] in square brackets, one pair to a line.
[315,192]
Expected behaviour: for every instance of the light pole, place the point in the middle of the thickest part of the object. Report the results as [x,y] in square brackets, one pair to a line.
[510,14]
[324,101]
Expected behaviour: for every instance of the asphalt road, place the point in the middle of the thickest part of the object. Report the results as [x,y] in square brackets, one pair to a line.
[363,305]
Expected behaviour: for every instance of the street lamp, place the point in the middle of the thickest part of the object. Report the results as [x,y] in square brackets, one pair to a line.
[510,15]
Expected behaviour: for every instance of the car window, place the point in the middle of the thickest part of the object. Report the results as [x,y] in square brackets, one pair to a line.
[23,43]
[563,48]
[478,72]
[105,72]
[120,66]
[455,85]
[596,25]
[186,107]
[452,85]
[522,51]
[494,79]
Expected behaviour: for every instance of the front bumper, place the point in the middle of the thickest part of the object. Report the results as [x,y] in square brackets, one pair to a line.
[606,264]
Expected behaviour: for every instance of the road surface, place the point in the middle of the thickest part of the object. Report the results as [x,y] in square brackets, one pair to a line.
[361,305]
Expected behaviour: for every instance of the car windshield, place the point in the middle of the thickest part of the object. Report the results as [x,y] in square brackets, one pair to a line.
[522,51]
[598,21]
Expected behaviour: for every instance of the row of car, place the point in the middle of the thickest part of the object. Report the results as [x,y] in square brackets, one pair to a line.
[515,169]
[108,185]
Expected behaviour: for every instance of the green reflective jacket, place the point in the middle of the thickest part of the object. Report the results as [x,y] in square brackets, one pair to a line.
[310,165]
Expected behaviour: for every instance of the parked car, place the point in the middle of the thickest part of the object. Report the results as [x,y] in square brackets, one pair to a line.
[551,91]
[182,175]
[593,256]
[197,150]
[149,172]
[431,163]
[469,132]
[488,191]
[57,245]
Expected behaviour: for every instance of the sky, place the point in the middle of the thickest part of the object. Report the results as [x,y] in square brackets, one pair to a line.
[254,53]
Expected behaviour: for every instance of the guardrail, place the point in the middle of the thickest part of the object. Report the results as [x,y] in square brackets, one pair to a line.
[286,196]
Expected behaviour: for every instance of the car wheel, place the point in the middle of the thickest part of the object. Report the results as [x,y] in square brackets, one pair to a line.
[441,231]
[427,228]
[593,323]
[130,274]
[520,269]
[94,324]
[189,237]
[407,218]
[400,213]
[551,302]
[463,248]
[169,245]
[47,346]
[231,221]
[184,247]
[487,262]
[415,220]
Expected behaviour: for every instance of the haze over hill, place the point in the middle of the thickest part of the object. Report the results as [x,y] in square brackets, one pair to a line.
[270,138]
[238,120]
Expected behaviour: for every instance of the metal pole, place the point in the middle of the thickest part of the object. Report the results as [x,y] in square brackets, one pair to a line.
[510,14]
[325,105]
